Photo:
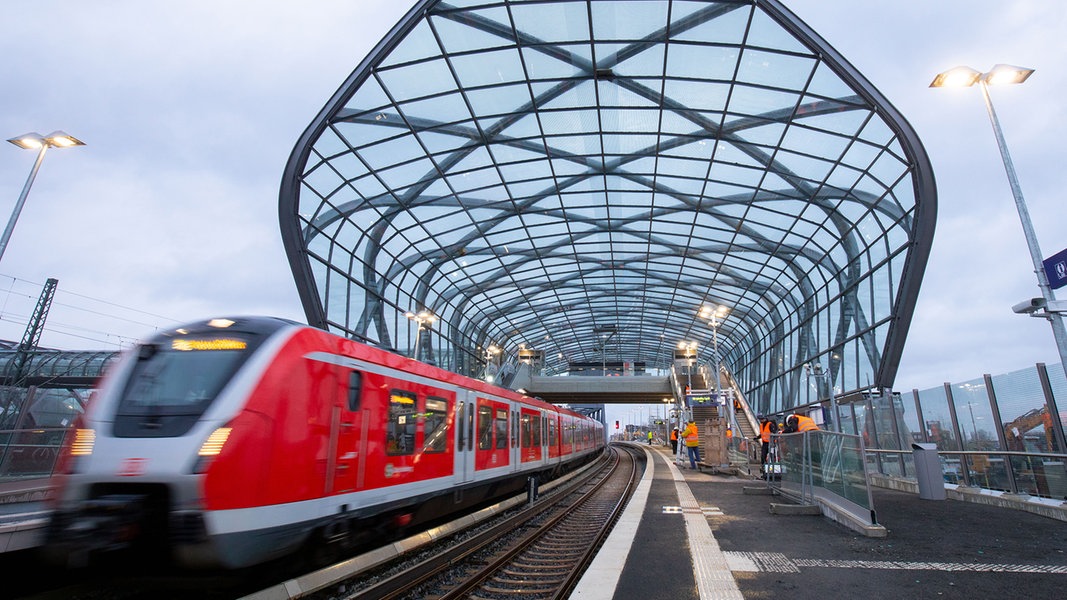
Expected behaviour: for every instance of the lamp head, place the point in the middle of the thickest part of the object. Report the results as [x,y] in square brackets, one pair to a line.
[28,141]
[56,139]
[1007,74]
[62,139]
[966,76]
[956,77]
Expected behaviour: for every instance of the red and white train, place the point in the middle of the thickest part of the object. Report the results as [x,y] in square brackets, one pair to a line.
[230,442]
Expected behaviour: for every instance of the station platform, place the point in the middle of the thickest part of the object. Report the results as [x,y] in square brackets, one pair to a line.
[693,534]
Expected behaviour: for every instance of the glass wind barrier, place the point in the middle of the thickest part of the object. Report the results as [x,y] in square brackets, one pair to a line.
[823,465]
[1002,432]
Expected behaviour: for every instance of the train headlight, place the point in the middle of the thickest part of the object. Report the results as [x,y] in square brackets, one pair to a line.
[81,447]
[84,440]
[211,448]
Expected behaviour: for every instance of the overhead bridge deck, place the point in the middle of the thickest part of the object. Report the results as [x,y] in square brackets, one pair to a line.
[599,389]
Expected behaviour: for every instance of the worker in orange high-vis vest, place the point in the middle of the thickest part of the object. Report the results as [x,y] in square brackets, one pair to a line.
[805,423]
[692,443]
[674,441]
[767,428]
[814,452]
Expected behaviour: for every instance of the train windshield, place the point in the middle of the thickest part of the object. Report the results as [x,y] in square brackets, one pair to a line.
[175,381]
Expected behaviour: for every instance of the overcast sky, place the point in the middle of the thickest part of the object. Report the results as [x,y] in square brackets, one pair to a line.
[190,109]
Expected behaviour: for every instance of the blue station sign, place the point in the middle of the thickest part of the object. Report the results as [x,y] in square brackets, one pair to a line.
[1056,269]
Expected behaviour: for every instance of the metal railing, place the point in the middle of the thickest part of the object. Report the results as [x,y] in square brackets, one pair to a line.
[1040,474]
[29,453]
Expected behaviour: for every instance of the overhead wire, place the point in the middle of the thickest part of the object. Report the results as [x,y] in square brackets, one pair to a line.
[125,318]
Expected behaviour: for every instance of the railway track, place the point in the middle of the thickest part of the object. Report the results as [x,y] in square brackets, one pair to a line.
[538,553]
[516,548]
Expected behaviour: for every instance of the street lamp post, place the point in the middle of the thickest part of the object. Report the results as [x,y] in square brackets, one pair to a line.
[966,77]
[974,425]
[490,354]
[424,318]
[690,350]
[714,316]
[666,421]
[41,143]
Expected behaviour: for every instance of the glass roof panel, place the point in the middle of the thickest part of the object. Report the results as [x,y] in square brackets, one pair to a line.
[489,68]
[418,80]
[703,23]
[569,22]
[418,45]
[564,61]
[464,36]
[448,108]
[628,20]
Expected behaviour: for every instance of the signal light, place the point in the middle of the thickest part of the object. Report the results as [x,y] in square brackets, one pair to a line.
[616,424]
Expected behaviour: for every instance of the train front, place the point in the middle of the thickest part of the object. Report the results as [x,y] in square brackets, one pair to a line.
[132,475]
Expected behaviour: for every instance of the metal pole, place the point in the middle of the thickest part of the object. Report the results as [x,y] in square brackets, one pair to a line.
[22,200]
[833,402]
[715,350]
[1055,319]
[689,371]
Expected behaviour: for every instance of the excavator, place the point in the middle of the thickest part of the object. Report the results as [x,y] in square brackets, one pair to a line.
[1015,431]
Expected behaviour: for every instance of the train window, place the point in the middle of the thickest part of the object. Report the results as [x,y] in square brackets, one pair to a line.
[568,432]
[485,427]
[180,379]
[435,425]
[355,389]
[400,431]
[172,384]
[470,428]
[514,430]
[526,434]
[460,411]
[552,439]
[501,428]
[535,427]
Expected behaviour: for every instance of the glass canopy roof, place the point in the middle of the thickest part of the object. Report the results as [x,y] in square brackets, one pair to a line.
[582,176]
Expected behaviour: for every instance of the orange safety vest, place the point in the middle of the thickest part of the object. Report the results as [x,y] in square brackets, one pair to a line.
[806,424]
[690,435]
[674,435]
[765,431]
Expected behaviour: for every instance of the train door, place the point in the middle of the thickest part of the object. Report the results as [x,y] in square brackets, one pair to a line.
[516,446]
[492,435]
[350,457]
[531,436]
[553,420]
[464,420]
[546,451]
[338,390]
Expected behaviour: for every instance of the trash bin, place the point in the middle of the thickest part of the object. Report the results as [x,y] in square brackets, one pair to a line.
[928,472]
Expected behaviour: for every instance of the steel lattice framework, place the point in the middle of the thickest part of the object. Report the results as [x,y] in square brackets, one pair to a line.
[545,171]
